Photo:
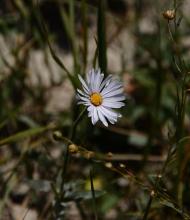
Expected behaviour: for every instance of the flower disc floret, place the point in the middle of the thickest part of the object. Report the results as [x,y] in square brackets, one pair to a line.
[96,99]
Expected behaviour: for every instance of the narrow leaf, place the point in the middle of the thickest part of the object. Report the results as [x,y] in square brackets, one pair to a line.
[25,134]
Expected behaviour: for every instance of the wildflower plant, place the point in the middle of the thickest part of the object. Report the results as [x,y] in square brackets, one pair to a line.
[147,175]
[101,96]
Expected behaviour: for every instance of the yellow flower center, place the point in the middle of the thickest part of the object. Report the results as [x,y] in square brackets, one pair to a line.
[96,99]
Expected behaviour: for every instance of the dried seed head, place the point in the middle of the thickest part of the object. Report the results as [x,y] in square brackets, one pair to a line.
[152,193]
[169,14]
[109,154]
[89,154]
[108,165]
[57,135]
[188,91]
[122,165]
[73,149]
[159,176]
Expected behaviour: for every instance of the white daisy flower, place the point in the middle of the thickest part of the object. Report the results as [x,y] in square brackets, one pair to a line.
[101,96]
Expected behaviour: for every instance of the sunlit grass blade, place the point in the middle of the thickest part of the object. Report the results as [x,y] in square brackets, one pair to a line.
[19,5]
[69,25]
[101,28]
[53,54]
[85,33]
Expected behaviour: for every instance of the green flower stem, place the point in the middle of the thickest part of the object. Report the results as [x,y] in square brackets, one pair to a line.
[73,129]
[157,183]
[181,97]
[148,207]
[93,195]
[71,135]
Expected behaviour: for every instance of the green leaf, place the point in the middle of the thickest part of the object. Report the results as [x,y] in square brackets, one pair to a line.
[176,208]
[39,185]
[28,121]
[25,134]
[86,195]
[138,139]
[109,201]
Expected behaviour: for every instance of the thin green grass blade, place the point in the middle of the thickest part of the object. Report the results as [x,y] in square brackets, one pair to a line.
[95,54]
[26,134]
[54,56]
[19,4]
[102,55]
[85,33]
[69,25]
[93,195]
[3,123]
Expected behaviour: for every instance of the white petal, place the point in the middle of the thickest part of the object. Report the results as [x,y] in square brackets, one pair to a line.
[90,108]
[108,112]
[82,93]
[112,122]
[92,80]
[92,112]
[113,104]
[108,93]
[115,83]
[83,103]
[95,115]
[111,117]
[88,76]
[92,119]
[102,118]
[83,98]
[98,80]
[85,87]
[115,98]
[107,80]
[112,86]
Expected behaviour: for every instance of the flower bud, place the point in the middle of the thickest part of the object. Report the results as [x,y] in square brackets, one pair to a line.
[109,155]
[89,155]
[122,165]
[57,135]
[108,165]
[73,149]
[188,91]
[169,14]
[152,193]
